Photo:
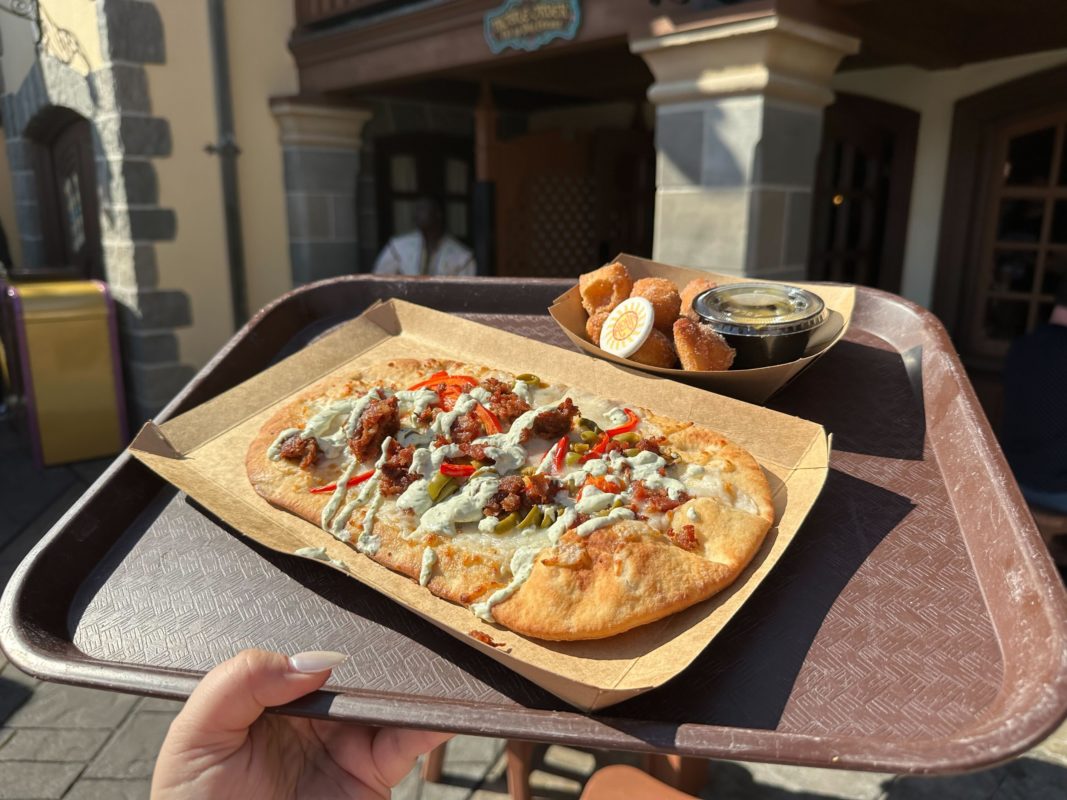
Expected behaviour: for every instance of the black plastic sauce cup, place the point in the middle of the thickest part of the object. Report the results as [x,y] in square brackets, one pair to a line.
[766,323]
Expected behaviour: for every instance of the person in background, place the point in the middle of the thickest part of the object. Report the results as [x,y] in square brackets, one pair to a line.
[222,745]
[1034,430]
[426,251]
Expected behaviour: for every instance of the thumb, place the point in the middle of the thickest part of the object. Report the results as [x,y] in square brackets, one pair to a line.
[235,693]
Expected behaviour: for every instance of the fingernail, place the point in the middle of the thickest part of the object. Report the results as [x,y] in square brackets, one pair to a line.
[316,660]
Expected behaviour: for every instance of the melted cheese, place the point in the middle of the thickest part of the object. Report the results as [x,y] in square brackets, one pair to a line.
[596,523]
[429,559]
[461,516]
[522,564]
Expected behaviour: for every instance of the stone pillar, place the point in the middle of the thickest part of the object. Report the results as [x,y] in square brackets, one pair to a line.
[320,146]
[738,127]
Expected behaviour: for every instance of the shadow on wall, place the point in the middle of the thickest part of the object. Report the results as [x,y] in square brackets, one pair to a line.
[697,149]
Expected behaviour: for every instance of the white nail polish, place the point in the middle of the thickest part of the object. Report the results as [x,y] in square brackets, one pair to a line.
[316,661]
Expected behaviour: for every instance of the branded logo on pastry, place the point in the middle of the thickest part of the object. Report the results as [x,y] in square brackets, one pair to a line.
[626,325]
[531,24]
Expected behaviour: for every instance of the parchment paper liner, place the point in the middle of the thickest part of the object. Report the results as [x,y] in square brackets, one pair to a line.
[202,452]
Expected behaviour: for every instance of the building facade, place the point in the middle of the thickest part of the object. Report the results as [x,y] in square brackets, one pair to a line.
[204,158]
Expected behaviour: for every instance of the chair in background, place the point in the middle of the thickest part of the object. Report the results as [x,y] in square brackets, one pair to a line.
[663,776]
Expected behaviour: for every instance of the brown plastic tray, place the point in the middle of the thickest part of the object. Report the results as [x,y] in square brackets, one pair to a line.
[915,625]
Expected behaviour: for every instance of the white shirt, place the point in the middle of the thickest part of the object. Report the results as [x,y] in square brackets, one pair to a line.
[404,255]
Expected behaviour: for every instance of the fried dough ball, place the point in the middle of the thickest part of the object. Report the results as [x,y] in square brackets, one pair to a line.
[657,351]
[700,348]
[689,293]
[661,293]
[604,288]
[594,324]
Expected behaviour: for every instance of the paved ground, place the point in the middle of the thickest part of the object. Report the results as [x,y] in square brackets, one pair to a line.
[64,742]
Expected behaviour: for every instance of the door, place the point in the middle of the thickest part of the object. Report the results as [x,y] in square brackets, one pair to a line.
[545,205]
[1018,250]
[410,166]
[1022,246]
[566,203]
[66,182]
[862,192]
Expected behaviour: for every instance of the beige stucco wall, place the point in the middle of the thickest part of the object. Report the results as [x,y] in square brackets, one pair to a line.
[933,94]
[182,92]
[71,33]
[261,67]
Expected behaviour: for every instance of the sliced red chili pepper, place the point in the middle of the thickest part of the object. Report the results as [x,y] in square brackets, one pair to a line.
[603,484]
[457,470]
[561,453]
[435,378]
[598,448]
[463,381]
[488,419]
[351,482]
[631,422]
[449,397]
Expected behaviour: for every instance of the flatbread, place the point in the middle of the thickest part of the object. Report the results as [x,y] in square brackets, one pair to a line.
[558,582]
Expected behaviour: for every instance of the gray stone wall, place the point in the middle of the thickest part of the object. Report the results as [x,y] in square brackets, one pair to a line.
[126,140]
[320,197]
[130,138]
[734,184]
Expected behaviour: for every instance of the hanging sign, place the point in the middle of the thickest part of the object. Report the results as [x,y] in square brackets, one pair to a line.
[531,24]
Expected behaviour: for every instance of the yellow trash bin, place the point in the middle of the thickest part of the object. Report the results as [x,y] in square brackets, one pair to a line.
[66,345]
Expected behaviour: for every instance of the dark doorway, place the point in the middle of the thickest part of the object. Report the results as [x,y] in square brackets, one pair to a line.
[1022,249]
[862,192]
[409,166]
[568,201]
[66,190]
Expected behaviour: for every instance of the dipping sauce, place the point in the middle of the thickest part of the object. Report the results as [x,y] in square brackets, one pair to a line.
[767,323]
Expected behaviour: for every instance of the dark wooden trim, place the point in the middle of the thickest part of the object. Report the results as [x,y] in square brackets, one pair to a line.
[903,124]
[964,197]
[310,12]
[430,150]
[48,209]
[442,39]
[899,204]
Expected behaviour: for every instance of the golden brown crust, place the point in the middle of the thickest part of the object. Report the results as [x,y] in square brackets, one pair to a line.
[617,578]
[689,292]
[739,470]
[604,288]
[595,324]
[664,298]
[657,351]
[700,348]
[630,578]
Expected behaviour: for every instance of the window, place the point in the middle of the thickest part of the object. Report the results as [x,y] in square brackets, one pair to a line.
[1023,254]
[65,171]
[412,165]
[73,206]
